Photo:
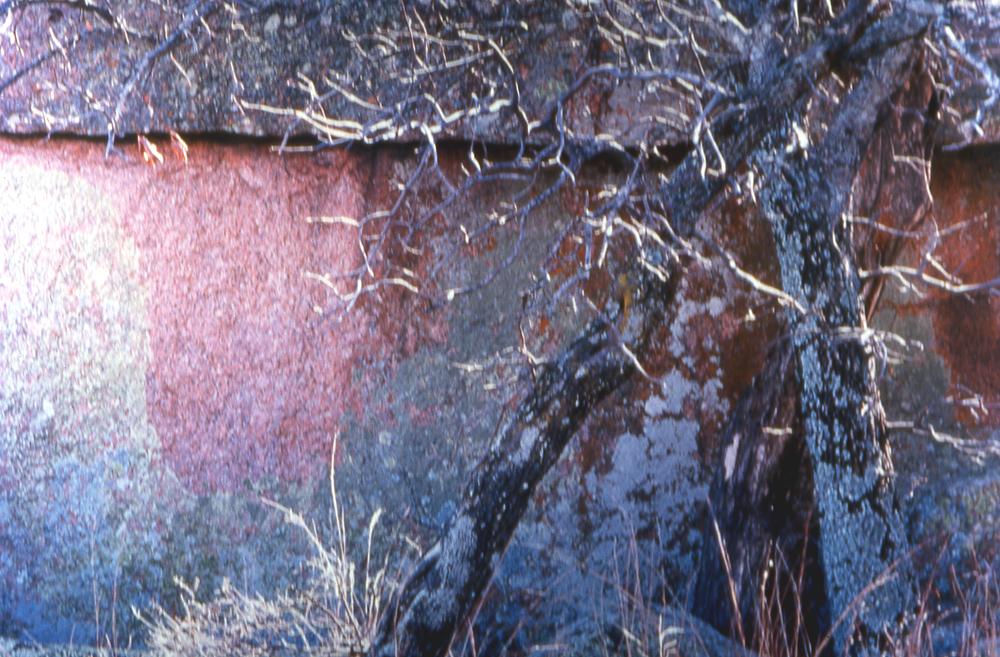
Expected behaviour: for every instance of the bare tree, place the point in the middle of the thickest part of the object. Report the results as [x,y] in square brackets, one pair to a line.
[781,104]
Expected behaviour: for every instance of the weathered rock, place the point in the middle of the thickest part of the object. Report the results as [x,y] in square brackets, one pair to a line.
[156,281]
[136,67]
[145,318]
[162,363]
[163,334]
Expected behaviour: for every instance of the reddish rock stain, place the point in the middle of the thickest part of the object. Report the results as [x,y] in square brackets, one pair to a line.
[967,327]
[245,381]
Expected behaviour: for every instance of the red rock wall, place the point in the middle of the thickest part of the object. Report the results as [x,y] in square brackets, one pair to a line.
[244,379]
[966,187]
[160,316]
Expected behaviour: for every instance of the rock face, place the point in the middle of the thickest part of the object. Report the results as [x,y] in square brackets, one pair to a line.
[168,357]
[191,278]
[165,367]
[203,66]
[140,67]
[105,417]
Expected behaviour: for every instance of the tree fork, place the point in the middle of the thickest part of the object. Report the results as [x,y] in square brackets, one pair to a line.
[448,582]
[762,492]
[759,567]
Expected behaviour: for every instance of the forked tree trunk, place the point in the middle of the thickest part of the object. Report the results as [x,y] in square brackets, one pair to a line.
[764,558]
[862,547]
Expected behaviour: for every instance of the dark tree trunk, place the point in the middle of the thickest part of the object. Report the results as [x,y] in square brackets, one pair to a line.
[449,581]
[759,577]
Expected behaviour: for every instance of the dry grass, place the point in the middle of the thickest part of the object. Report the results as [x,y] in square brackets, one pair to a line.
[338,613]
[335,615]
[960,621]
[958,616]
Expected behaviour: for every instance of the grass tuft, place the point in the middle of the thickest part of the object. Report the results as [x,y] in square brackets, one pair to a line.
[334,615]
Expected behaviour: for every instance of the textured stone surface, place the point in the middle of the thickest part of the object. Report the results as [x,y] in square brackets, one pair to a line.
[159,329]
[967,327]
[164,366]
[159,341]
[130,69]
[192,280]
[66,69]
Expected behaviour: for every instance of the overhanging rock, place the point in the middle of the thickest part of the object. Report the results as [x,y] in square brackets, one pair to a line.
[208,66]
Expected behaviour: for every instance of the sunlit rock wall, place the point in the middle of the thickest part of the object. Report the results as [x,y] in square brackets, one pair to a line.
[160,359]
[166,364]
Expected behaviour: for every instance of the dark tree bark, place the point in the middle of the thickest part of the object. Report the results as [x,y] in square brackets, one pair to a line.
[759,574]
[449,581]
[762,496]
